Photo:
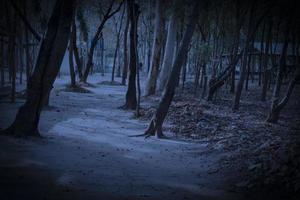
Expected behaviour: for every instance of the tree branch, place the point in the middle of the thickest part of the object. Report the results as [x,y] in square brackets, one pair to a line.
[25,21]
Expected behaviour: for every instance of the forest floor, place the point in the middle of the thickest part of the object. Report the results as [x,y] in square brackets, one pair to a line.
[87,153]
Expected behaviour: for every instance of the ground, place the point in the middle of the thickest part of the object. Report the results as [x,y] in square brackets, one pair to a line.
[87,152]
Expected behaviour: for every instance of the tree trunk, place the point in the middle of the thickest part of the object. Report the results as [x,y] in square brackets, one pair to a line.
[266,72]
[156,48]
[49,59]
[109,13]
[183,72]
[214,85]
[71,63]
[2,61]
[125,66]
[261,55]
[243,70]
[232,86]
[169,50]
[277,106]
[205,80]
[75,50]
[138,79]
[155,125]
[11,52]
[27,52]
[117,46]
[197,75]
[248,71]
[131,101]
[25,21]
[240,84]
[21,63]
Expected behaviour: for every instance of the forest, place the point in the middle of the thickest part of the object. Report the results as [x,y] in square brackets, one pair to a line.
[149,99]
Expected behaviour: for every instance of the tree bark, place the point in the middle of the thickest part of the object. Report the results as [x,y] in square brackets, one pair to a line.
[117,46]
[131,101]
[11,52]
[71,63]
[266,71]
[156,123]
[2,61]
[261,55]
[156,48]
[21,63]
[277,106]
[27,51]
[169,49]
[24,19]
[49,59]
[214,85]
[243,70]
[75,49]
[125,66]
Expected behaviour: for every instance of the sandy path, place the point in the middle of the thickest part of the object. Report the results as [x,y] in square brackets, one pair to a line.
[87,153]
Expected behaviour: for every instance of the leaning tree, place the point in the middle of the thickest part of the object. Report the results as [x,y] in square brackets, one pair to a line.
[155,126]
[47,66]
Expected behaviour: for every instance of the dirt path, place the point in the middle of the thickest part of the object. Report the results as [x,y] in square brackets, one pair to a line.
[86,153]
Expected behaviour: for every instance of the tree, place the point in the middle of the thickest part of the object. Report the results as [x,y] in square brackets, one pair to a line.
[265,62]
[118,31]
[245,59]
[156,48]
[11,24]
[125,66]
[218,82]
[170,47]
[25,21]
[131,101]
[109,13]
[49,59]
[75,49]
[276,105]
[71,51]
[155,126]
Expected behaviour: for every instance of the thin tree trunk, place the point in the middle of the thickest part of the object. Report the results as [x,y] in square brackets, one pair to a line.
[240,84]
[71,63]
[169,50]
[2,61]
[117,46]
[156,123]
[11,52]
[75,49]
[248,72]
[183,72]
[109,13]
[137,75]
[197,76]
[102,57]
[49,59]
[261,55]
[25,21]
[232,87]
[156,48]
[277,106]
[27,51]
[205,80]
[243,71]
[125,66]
[131,101]
[266,72]
[21,63]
